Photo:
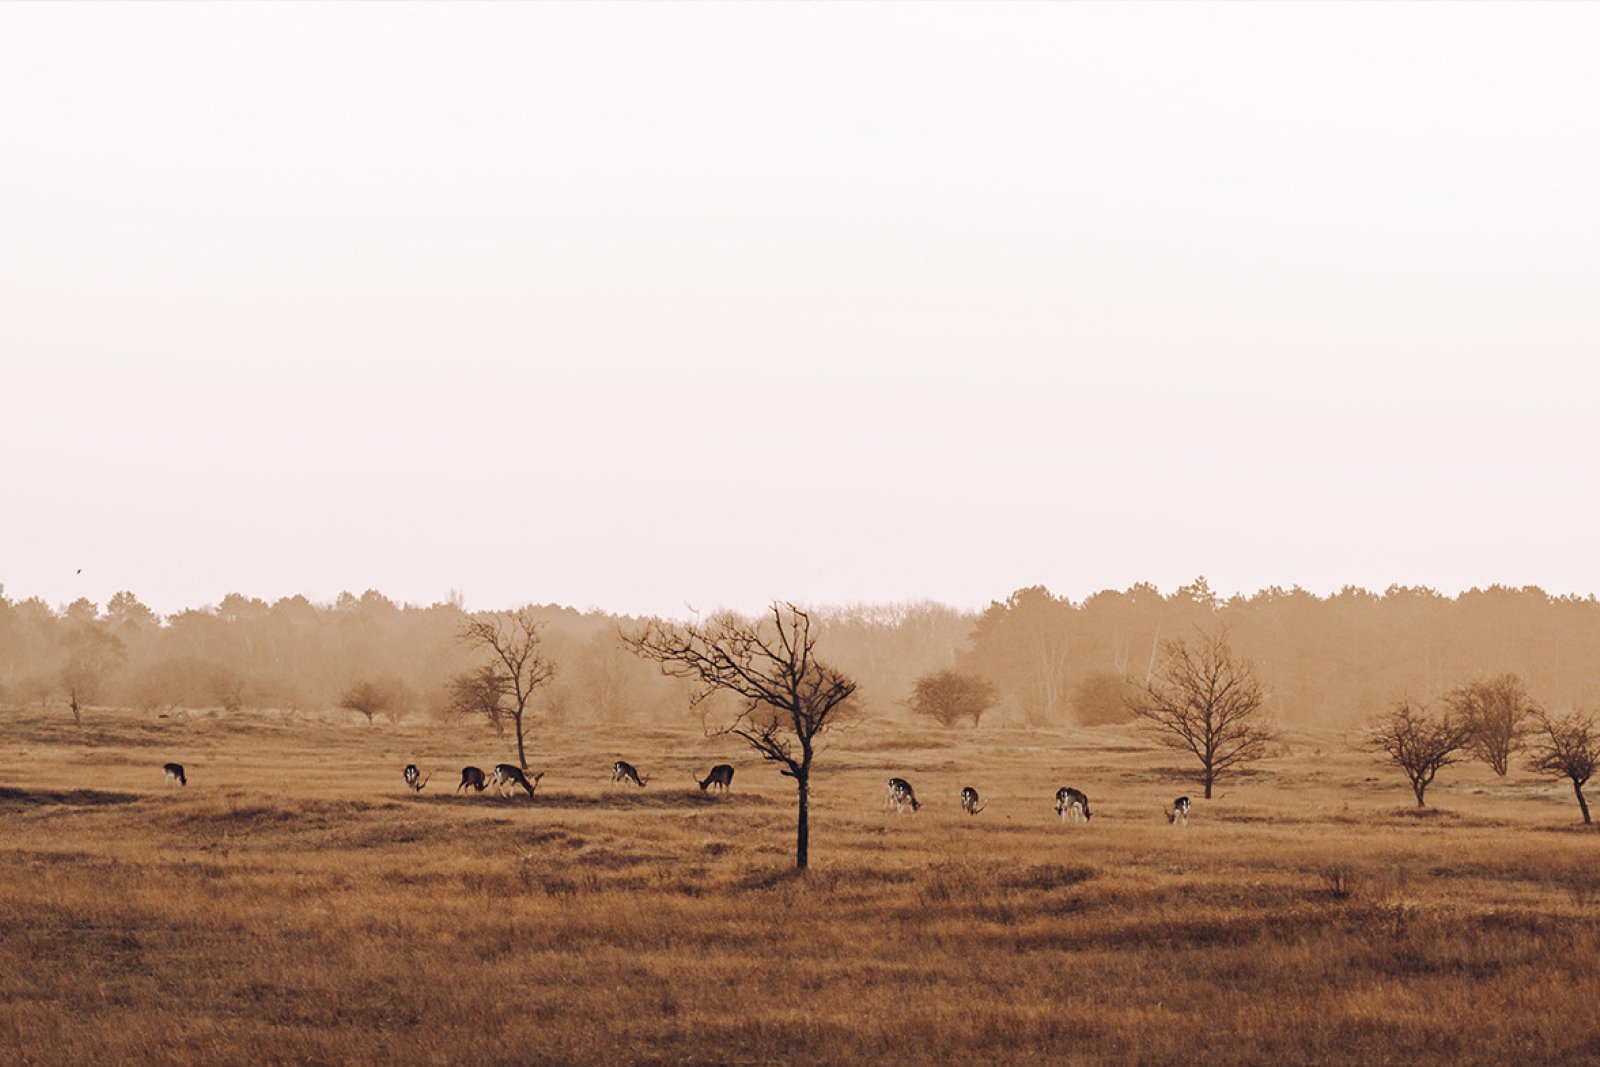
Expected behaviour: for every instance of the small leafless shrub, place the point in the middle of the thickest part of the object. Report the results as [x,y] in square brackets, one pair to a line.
[1581,884]
[1338,880]
[1375,885]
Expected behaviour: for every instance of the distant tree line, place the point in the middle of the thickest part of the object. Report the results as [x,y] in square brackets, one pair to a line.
[1034,658]
[1326,660]
[386,662]
[366,654]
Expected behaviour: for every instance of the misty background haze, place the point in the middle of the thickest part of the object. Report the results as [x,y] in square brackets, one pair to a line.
[1048,661]
[647,308]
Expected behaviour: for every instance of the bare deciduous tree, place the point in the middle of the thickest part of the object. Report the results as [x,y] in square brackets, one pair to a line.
[93,655]
[478,692]
[1567,747]
[1419,743]
[517,666]
[387,697]
[786,697]
[1203,699]
[1497,712]
[947,697]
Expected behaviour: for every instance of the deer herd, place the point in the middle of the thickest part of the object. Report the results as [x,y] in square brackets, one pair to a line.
[1072,805]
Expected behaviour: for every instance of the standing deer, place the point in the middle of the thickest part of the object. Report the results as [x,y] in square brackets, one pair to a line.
[173,772]
[415,779]
[900,794]
[969,801]
[1072,802]
[623,771]
[472,777]
[508,777]
[721,776]
[1179,812]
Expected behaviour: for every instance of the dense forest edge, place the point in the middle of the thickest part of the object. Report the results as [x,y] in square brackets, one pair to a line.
[1328,661]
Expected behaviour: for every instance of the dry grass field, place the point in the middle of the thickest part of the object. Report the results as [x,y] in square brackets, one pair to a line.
[295,904]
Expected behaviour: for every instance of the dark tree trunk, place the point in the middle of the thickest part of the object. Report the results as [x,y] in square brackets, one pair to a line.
[1208,778]
[522,755]
[1419,788]
[802,843]
[1583,805]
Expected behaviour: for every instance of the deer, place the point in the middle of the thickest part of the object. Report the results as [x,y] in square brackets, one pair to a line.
[623,771]
[721,776]
[415,779]
[1179,812]
[1072,802]
[969,801]
[508,777]
[472,777]
[900,794]
[173,772]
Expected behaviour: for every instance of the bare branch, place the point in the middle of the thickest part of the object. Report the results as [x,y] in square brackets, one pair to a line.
[1567,747]
[517,668]
[1205,701]
[787,698]
[1420,744]
[1498,712]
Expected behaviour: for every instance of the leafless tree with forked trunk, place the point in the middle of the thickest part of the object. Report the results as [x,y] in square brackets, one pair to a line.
[1567,747]
[1205,700]
[1497,712]
[517,668]
[1420,743]
[787,697]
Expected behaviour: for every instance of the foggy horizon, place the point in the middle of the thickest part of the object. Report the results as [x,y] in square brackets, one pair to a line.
[758,608]
[799,533]
[639,308]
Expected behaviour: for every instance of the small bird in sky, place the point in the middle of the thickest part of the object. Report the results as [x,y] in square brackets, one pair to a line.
[80,570]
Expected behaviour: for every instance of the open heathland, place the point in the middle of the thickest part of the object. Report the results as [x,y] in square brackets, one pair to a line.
[297,903]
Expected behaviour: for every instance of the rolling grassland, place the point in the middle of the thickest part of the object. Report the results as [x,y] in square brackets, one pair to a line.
[296,904]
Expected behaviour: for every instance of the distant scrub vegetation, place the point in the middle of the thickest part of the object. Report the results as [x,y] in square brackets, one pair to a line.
[1044,659]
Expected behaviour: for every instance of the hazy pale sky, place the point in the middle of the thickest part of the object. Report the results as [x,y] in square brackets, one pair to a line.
[642,306]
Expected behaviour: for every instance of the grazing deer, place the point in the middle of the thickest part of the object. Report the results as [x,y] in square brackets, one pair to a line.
[721,776]
[415,778]
[623,771]
[472,777]
[173,772]
[1072,802]
[1179,812]
[969,801]
[900,794]
[508,776]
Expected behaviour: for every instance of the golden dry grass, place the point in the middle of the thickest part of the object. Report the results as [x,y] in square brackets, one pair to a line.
[296,905]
